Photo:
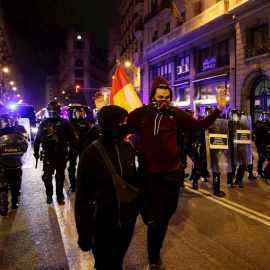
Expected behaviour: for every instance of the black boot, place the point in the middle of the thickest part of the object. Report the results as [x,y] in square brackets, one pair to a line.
[59,188]
[250,174]
[72,180]
[49,188]
[260,174]
[3,202]
[195,180]
[238,182]
[216,185]
[230,180]
[15,190]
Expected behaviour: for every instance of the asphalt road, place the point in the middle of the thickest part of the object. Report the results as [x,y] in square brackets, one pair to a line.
[206,232]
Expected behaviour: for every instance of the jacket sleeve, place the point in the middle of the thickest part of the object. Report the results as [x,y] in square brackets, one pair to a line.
[73,141]
[37,140]
[84,202]
[189,122]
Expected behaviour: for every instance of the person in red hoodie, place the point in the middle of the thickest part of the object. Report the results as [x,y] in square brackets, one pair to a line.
[159,168]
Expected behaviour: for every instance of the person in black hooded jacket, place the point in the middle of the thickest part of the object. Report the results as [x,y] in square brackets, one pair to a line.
[103,225]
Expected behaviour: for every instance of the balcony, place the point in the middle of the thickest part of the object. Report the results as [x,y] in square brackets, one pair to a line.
[197,26]
[256,49]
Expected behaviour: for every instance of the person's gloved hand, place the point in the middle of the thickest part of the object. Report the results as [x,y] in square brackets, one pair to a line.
[85,242]
[36,155]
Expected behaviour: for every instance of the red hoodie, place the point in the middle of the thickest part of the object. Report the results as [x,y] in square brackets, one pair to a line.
[158,137]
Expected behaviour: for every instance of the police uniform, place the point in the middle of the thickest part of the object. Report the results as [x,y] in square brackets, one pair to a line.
[81,127]
[262,141]
[55,135]
[13,146]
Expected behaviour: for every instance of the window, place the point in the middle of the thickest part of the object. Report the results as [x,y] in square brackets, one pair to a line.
[256,41]
[167,28]
[182,66]
[210,90]
[79,63]
[197,8]
[219,50]
[78,73]
[182,94]
[155,36]
[79,45]
[164,71]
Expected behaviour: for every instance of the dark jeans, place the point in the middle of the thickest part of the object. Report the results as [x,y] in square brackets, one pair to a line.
[110,246]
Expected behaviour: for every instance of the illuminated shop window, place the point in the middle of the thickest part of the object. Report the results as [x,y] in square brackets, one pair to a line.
[210,90]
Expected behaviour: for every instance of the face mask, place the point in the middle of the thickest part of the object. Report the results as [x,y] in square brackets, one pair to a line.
[121,131]
[161,105]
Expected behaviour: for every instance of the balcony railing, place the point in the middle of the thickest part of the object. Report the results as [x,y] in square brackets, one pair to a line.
[256,49]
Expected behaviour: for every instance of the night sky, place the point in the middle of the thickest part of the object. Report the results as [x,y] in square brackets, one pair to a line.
[38,28]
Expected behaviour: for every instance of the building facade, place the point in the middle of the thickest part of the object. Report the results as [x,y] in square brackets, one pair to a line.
[219,44]
[82,65]
[11,86]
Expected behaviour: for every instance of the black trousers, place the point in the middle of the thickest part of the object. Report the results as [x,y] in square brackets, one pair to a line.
[160,193]
[110,246]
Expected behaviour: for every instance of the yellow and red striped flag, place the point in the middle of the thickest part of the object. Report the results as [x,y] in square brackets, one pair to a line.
[122,93]
[177,13]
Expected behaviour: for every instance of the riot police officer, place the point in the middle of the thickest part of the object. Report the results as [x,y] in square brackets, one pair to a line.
[249,166]
[262,141]
[201,159]
[240,146]
[185,149]
[55,135]
[217,150]
[12,147]
[81,127]
[261,159]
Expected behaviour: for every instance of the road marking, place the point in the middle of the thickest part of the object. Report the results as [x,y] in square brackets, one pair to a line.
[76,258]
[232,205]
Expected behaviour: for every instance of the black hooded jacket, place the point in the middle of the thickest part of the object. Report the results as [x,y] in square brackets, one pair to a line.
[96,205]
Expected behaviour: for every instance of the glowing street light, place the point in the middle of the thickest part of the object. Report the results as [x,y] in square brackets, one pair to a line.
[14,88]
[127,64]
[6,70]
[11,83]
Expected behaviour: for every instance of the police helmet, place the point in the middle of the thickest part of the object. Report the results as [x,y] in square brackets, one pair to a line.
[208,110]
[190,112]
[266,116]
[235,115]
[6,121]
[244,113]
[53,109]
[79,113]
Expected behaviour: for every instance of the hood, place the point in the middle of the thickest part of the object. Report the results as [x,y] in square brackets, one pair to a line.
[110,116]
[159,82]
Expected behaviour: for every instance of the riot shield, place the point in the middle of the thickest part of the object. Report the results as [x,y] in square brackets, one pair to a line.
[13,151]
[217,147]
[28,161]
[242,147]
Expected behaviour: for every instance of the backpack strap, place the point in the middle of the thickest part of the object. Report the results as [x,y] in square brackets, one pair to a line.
[145,115]
[102,151]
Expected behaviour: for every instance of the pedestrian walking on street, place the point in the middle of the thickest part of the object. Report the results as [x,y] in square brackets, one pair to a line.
[159,168]
[55,134]
[104,224]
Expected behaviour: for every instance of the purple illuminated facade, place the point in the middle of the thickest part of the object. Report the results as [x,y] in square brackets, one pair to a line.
[222,44]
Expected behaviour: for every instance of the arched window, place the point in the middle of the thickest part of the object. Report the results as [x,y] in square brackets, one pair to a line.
[79,63]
